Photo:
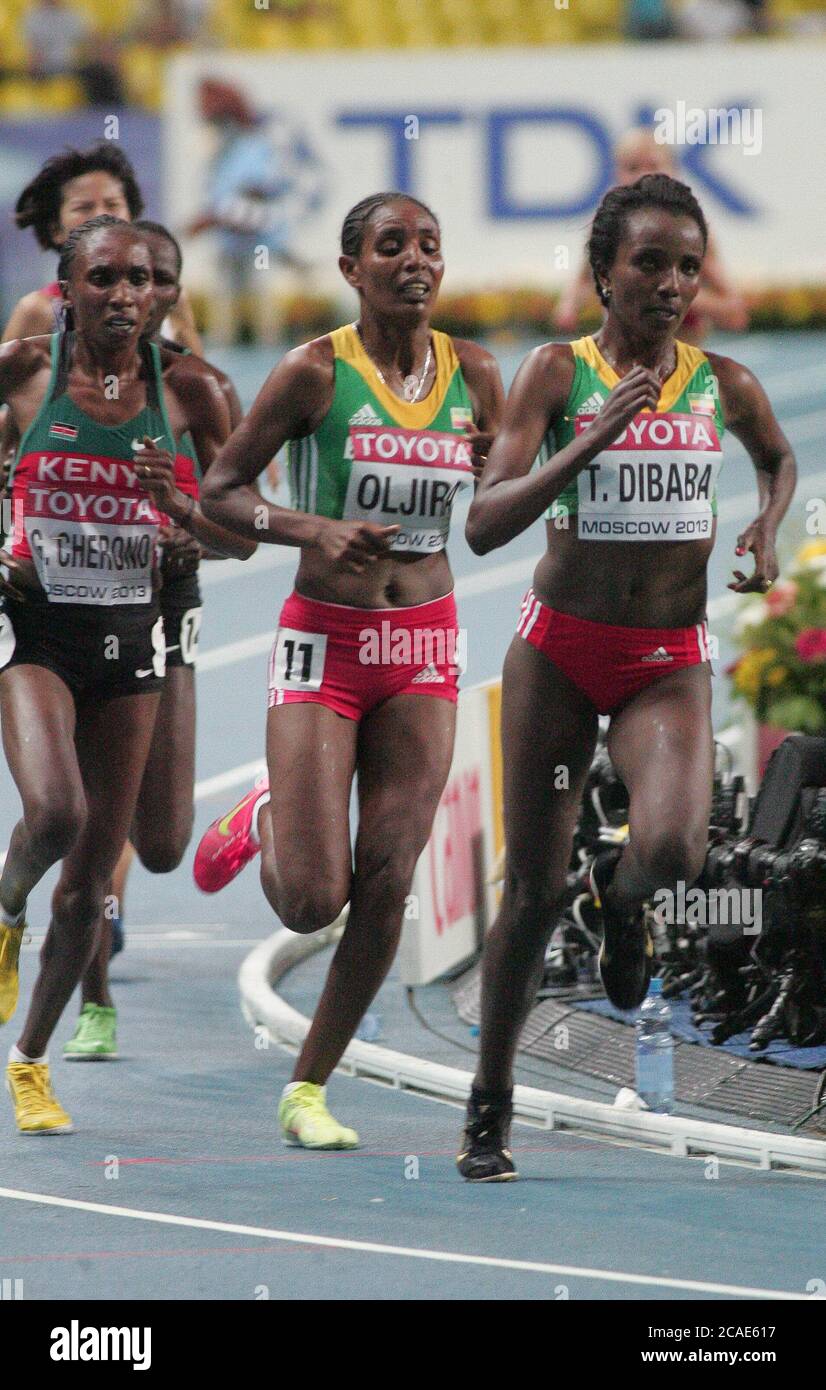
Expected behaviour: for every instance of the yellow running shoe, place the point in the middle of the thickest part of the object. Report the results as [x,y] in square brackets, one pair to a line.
[307,1123]
[10,939]
[36,1108]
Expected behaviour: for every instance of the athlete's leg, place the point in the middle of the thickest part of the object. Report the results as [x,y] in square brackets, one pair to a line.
[306,859]
[112,746]
[37,713]
[95,983]
[404,752]
[549,733]
[662,746]
[162,827]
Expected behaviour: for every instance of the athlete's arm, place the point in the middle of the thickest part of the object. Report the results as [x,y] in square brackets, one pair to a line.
[31,316]
[718,298]
[291,404]
[571,301]
[748,414]
[510,497]
[181,320]
[208,419]
[487,394]
[20,359]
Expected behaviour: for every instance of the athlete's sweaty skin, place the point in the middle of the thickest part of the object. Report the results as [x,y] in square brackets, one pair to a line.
[402,749]
[660,740]
[112,273]
[349,562]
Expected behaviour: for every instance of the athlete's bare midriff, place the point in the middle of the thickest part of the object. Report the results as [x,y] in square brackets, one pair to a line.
[627,584]
[394,581]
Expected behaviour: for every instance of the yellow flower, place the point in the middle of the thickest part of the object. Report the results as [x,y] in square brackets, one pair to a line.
[776,675]
[749,674]
[812,553]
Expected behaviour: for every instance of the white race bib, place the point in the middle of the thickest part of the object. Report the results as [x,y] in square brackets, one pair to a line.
[654,483]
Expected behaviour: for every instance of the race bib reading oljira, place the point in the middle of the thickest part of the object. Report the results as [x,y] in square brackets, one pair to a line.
[654,483]
[90,529]
[408,478]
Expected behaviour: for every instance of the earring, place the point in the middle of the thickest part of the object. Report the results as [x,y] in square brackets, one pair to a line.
[606,295]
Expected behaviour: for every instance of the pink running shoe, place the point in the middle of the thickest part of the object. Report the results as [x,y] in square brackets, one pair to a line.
[230,842]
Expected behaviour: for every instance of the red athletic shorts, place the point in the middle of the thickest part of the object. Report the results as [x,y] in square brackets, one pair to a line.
[610,664]
[353,659]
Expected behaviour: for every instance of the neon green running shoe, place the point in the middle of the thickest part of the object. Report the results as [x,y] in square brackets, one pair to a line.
[94,1038]
[307,1123]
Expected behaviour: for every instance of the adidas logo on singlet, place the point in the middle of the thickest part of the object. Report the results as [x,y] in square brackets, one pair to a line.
[594,403]
[430,675]
[365,416]
[659,655]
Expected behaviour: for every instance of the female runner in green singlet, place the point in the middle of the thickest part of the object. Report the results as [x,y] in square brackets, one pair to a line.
[380,422]
[627,426]
[83,652]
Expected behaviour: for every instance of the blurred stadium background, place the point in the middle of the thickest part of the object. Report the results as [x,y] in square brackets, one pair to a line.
[503,113]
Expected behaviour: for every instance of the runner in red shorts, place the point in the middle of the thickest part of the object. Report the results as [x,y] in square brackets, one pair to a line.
[627,426]
[384,419]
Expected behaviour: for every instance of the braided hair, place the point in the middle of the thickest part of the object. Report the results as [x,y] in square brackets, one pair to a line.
[355,223]
[75,240]
[611,217]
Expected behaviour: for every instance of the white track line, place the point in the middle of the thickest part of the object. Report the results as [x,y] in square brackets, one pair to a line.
[403,1251]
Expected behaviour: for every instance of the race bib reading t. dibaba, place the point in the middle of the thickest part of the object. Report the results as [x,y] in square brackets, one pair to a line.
[655,482]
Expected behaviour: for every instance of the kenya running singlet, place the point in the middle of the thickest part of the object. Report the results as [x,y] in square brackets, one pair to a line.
[656,481]
[79,511]
[377,458]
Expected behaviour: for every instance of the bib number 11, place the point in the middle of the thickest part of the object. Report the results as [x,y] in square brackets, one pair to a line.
[299,659]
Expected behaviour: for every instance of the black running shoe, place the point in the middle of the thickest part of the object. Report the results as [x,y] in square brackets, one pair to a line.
[627,951]
[485,1156]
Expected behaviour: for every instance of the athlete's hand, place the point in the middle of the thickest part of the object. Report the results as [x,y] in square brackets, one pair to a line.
[180,552]
[7,586]
[354,545]
[480,442]
[759,539]
[156,473]
[638,390]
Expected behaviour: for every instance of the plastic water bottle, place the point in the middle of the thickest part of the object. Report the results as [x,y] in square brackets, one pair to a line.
[369,1030]
[655,1051]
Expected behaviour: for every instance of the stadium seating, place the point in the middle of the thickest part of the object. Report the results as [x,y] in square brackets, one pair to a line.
[323,24]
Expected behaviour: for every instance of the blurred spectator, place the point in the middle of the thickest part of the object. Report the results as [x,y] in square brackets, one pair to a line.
[54,33]
[263,180]
[717,304]
[649,19]
[167,23]
[711,20]
[62,44]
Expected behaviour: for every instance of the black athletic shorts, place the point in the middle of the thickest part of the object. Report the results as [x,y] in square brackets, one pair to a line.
[181,608]
[97,652]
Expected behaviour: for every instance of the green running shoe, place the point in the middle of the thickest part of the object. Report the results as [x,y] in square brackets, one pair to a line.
[95,1036]
[306,1122]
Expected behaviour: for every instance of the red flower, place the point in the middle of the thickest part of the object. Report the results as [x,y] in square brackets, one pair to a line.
[810,644]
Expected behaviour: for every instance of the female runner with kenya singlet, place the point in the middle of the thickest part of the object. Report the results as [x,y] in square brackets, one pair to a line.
[82,652]
[162,824]
[379,418]
[627,426]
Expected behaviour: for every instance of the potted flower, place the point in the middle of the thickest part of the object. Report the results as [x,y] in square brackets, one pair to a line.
[781,673]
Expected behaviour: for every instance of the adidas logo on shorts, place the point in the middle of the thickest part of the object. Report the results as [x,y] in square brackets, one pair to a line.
[365,416]
[594,403]
[659,655]
[431,675]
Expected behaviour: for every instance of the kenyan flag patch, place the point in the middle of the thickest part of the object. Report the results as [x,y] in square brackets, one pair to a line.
[63,431]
